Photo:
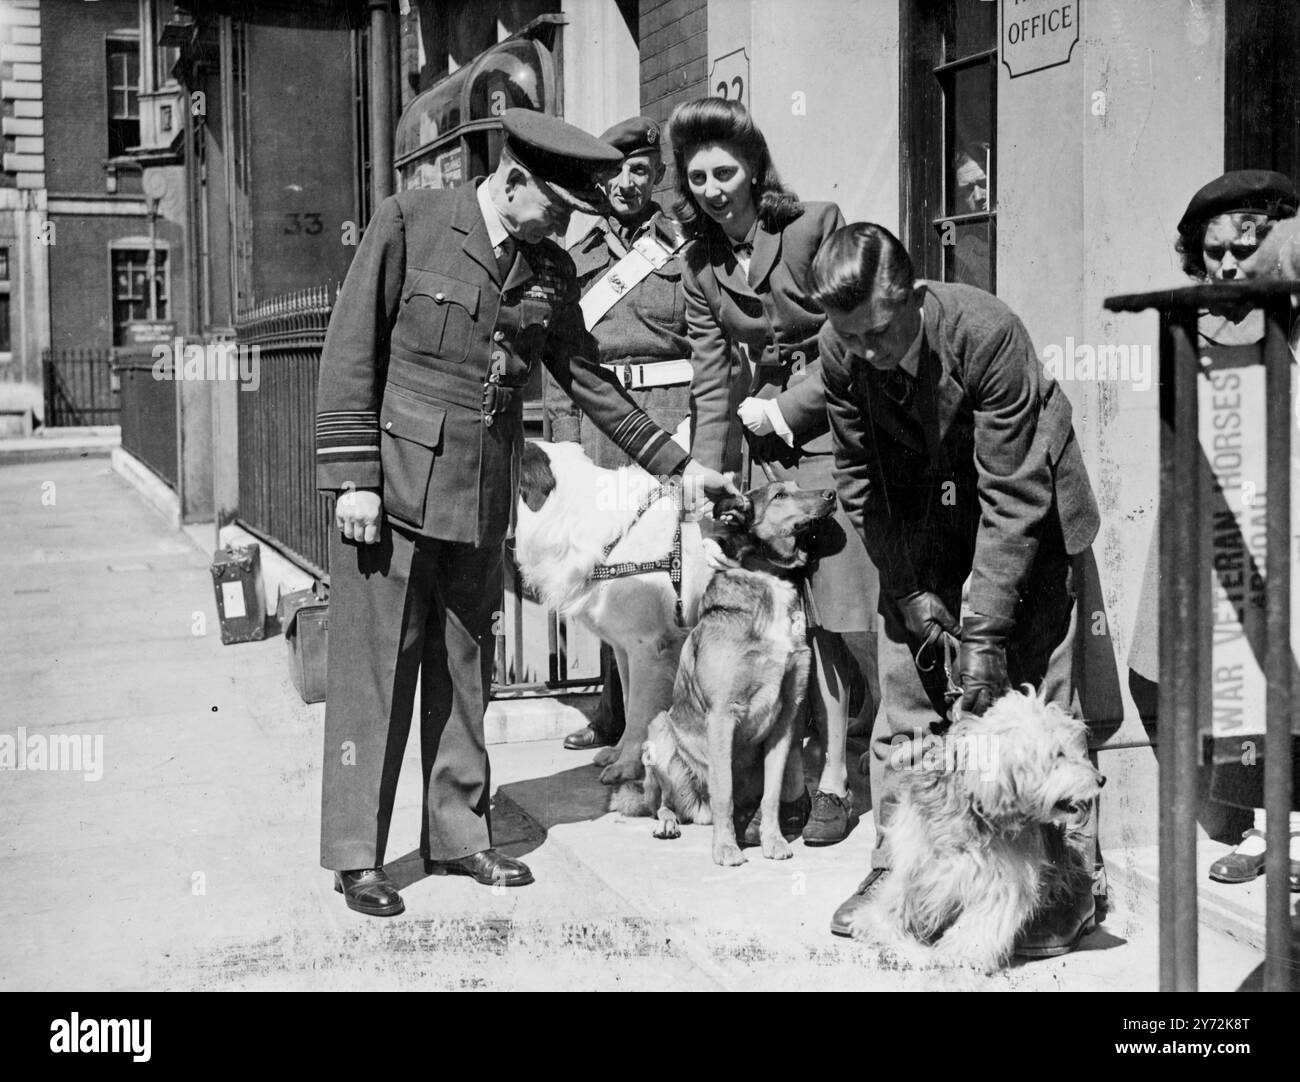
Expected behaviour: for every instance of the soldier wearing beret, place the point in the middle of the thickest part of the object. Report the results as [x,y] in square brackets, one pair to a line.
[451,299]
[633,304]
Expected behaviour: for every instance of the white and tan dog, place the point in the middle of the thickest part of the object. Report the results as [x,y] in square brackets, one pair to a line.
[569,510]
[975,842]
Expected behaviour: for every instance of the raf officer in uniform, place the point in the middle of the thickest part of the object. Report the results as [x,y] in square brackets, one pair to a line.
[955,458]
[451,299]
[633,304]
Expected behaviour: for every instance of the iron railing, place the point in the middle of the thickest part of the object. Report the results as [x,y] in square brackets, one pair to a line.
[537,652]
[80,388]
[1184,706]
[148,413]
[278,500]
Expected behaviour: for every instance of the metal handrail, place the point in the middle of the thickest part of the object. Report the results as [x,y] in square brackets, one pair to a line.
[1182,706]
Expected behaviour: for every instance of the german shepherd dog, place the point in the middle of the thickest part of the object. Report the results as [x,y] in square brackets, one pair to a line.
[740,684]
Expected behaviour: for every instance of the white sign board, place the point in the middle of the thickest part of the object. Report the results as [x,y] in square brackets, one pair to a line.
[729,77]
[1038,34]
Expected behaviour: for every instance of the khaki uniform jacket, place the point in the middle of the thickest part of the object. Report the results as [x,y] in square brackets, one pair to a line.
[988,455]
[426,340]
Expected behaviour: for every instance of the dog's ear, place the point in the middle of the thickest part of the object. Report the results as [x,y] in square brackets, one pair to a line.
[536,479]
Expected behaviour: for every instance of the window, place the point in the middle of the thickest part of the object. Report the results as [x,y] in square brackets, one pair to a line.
[4,301]
[131,298]
[949,139]
[123,96]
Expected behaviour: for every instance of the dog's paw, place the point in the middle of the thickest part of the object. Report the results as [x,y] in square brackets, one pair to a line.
[606,756]
[776,848]
[971,961]
[728,854]
[621,771]
[668,826]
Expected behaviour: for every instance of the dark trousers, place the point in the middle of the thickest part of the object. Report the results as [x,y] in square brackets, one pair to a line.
[610,719]
[1041,652]
[405,611]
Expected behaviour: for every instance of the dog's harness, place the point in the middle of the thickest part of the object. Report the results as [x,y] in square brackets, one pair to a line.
[672,563]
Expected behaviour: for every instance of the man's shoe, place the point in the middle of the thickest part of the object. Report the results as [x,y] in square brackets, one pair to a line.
[868,889]
[1237,867]
[585,738]
[369,891]
[487,867]
[1058,929]
[829,821]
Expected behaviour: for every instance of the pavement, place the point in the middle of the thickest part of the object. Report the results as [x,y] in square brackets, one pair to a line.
[182,852]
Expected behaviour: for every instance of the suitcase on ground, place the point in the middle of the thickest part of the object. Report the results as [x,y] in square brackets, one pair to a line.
[241,596]
[304,618]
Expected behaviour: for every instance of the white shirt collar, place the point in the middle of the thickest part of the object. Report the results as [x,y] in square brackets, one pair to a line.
[496,226]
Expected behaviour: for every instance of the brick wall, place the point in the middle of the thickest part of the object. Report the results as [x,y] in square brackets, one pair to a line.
[23,132]
[674,59]
[74,54]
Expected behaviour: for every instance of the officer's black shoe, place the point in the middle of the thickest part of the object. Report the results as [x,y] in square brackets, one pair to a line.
[487,867]
[585,738]
[369,891]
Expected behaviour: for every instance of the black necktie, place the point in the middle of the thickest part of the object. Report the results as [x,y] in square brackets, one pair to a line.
[898,386]
[505,253]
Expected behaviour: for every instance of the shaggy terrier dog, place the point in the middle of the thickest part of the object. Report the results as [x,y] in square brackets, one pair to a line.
[976,843]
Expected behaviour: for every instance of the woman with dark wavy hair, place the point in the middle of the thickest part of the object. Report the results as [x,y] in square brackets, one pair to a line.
[757,404]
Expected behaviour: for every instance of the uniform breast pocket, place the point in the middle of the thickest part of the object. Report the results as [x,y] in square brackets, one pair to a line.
[410,437]
[439,312]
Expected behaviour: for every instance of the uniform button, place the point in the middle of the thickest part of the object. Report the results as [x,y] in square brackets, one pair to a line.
[546,323]
[388,424]
[498,336]
[498,355]
[440,297]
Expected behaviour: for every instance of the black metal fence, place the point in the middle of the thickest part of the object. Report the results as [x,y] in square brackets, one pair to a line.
[79,387]
[278,500]
[148,413]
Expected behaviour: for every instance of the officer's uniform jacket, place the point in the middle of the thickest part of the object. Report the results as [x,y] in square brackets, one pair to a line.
[768,311]
[423,364]
[981,460]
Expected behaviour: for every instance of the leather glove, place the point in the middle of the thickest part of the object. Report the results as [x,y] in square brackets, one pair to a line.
[982,663]
[926,618]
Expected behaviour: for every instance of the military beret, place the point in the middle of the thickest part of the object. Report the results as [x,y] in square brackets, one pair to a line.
[636,135]
[1261,191]
[564,157]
